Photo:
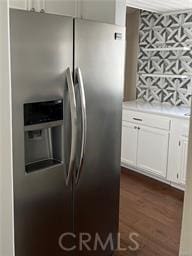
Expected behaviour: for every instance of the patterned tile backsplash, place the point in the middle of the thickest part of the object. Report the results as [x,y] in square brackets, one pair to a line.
[165,75]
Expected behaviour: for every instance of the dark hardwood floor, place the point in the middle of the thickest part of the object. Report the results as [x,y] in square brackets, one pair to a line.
[150,216]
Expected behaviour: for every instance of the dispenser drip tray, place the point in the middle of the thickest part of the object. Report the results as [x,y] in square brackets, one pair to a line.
[41,165]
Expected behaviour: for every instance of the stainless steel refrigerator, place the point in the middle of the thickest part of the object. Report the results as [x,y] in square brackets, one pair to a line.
[67,83]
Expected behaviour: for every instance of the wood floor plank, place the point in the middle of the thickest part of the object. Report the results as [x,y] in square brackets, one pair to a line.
[152,211]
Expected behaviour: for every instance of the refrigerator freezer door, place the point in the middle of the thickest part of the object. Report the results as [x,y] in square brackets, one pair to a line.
[41,51]
[99,53]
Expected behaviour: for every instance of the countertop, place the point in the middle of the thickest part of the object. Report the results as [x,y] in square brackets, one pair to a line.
[158,108]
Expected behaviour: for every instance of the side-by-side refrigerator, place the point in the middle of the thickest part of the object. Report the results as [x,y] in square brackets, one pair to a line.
[67,85]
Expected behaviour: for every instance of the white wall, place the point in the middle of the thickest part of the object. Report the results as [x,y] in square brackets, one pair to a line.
[6,196]
[132,50]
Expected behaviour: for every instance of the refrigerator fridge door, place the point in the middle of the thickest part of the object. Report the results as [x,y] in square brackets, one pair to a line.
[99,69]
[41,53]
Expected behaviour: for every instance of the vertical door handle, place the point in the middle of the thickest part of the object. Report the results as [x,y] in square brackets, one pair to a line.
[84,122]
[73,110]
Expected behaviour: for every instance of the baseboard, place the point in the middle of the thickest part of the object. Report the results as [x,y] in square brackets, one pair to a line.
[172,184]
[178,186]
[146,173]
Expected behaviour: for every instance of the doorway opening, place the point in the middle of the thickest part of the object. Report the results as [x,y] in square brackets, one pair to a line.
[155,137]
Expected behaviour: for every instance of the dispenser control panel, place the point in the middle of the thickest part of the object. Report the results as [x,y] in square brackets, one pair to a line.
[43,112]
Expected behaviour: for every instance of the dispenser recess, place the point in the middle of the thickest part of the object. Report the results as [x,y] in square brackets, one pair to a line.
[43,128]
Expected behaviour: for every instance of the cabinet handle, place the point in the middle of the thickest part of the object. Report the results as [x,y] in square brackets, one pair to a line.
[137,119]
[137,127]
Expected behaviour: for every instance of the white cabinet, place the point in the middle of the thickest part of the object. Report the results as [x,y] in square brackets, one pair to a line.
[183,160]
[35,5]
[113,11]
[155,145]
[104,11]
[153,150]
[98,10]
[62,7]
[145,148]
[19,4]
[67,7]
[129,143]
[178,150]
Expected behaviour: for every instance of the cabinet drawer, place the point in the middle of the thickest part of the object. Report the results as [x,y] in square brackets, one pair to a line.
[151,120]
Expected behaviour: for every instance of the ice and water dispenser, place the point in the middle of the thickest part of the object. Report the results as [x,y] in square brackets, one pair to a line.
[43,127]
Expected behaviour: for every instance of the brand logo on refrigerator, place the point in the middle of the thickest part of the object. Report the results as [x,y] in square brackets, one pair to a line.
[118,36]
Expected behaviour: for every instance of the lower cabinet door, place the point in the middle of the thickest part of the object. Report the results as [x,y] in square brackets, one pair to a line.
[129,144]
[183,160]
[152,153]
